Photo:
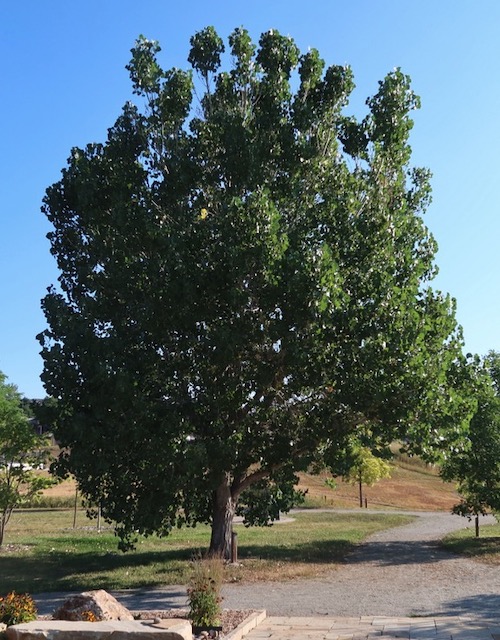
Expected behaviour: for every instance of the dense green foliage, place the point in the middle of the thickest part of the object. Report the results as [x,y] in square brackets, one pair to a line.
[476,466]
[21,452]
[244,283]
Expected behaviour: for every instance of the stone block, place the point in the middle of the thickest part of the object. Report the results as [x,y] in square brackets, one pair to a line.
[168,629]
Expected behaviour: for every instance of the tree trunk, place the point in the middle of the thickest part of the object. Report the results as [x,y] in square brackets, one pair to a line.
[360,492]
[222,521]
[4,519]
[477,525]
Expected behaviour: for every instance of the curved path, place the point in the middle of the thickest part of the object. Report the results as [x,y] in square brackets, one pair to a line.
[398,572]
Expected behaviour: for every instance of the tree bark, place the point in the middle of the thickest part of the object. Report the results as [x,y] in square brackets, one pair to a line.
[4,519]
[222,520]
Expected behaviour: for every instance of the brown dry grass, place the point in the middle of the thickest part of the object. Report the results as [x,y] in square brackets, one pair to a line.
[412,485]
[64,489]
[416,488]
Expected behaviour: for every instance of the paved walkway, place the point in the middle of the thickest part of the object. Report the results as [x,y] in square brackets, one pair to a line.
[373,628]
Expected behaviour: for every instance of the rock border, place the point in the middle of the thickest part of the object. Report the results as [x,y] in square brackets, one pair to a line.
[170,629]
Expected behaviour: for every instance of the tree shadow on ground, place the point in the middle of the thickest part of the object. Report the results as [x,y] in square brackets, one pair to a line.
[484,605]
[75,572]
[474,547]
[146,599]
[338,550]
[324,551]
[59,571]
[400,553]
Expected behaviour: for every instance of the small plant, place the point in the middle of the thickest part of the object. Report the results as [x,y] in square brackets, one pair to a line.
[16,608]
[88,616]
[204,592]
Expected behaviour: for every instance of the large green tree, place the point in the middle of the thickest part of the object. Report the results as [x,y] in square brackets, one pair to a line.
[22,450]
[244,284]
[476,465]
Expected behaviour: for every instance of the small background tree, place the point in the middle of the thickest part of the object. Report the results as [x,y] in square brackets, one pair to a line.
[22,451]
[367,469]
[476,467]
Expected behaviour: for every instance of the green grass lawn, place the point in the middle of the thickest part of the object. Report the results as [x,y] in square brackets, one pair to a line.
[486,548]
[43,552]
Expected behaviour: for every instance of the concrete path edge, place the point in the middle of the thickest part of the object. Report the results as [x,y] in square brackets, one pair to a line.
[253,620]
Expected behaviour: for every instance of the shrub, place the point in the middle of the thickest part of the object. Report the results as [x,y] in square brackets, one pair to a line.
[88,616]
[204,592]
[16,608]
[49,502]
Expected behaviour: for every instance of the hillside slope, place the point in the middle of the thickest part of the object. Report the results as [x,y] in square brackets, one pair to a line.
[411,486]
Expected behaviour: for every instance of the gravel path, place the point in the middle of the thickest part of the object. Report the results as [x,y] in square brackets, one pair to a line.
[399,572]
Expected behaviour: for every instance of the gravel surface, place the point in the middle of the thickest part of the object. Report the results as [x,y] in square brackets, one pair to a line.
[399,572]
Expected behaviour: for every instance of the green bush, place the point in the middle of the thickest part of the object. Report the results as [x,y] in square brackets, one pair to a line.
[50,502]
[204,592]
[16,608]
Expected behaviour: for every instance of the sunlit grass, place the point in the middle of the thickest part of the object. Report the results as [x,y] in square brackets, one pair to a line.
[43,552]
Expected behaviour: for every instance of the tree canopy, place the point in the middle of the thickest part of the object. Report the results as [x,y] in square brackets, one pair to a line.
[476,464]
[21,451]
[244,282]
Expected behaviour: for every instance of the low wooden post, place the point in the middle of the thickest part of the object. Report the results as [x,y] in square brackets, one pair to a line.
[234,547]
[76,504]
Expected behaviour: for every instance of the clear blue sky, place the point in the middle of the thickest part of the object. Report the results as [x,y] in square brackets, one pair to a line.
[64,82]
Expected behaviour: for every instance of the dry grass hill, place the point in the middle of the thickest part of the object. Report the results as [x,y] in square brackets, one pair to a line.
[413,485]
